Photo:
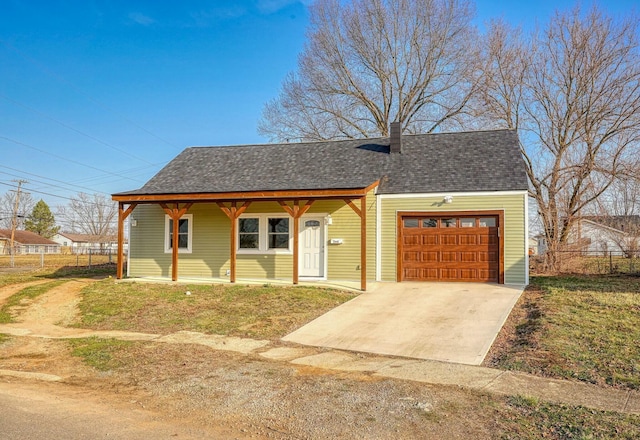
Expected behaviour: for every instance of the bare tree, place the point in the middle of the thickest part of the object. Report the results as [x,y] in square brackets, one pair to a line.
[7,205]
[619,208]
[94,215]
[371,62]
[573,90]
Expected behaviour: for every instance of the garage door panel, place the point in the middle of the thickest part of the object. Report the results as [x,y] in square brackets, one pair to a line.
[411,240]
[468,274]
[430,239]
[430,257]
[489,239]
[429,274]
[468,257]
[409,257]
[449,239]
[449,256]
[448,274]
[468,239]
[488,257]
[450,249]
[411,274]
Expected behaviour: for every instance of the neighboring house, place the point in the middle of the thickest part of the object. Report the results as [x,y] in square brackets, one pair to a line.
[25,242]
[84,243]
[619,235]
[533,246]
[435,207]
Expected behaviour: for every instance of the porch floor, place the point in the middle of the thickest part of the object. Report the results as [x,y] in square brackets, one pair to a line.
[346,285]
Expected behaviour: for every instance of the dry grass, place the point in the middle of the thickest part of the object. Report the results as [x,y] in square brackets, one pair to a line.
[248,311]
[54,260]
[583,328]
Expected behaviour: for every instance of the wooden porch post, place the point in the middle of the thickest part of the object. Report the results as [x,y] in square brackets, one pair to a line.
[296,212]
[233,213]
[122,216]
[175,214]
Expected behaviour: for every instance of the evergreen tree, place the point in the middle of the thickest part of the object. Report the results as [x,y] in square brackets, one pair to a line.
[41,221]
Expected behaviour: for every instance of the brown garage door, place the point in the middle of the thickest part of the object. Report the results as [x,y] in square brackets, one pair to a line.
[464,248]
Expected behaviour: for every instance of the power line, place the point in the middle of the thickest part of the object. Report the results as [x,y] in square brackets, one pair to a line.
[80,92]
[66,159]
[53,195]
[48,178]
[93,138]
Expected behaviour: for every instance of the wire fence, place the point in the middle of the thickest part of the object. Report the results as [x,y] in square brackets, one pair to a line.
[587,262]
[89,259]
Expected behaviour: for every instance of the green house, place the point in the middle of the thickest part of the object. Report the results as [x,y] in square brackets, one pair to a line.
[429,207]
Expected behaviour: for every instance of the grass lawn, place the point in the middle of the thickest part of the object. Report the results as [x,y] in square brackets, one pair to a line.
[250,311]
[585,328]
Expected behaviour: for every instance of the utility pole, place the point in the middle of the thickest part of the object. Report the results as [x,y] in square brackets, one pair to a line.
[14,219]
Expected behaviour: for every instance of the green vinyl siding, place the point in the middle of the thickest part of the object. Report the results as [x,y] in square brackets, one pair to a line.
[344,259]
[513,206]
[211,241]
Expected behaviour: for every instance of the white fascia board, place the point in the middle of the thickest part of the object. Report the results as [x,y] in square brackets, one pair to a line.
[454,194]
[378,238]
[526,240]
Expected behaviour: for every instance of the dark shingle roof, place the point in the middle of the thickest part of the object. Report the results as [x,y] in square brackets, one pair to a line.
[443,162]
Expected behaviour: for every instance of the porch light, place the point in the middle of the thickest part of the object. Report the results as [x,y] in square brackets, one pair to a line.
[134,222]
[328,220]
[448,199]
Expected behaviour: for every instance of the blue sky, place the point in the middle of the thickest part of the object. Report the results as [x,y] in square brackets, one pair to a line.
[97,95]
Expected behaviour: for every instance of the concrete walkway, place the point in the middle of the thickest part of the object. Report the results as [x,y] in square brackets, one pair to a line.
[451,322]
[425,371]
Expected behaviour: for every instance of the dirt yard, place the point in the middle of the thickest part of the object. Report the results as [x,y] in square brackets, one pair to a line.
[221,394]
[236,395]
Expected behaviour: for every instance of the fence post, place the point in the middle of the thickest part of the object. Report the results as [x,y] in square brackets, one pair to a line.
[11,254]
[41,259]
[610,261]
[77,260]
[90,258]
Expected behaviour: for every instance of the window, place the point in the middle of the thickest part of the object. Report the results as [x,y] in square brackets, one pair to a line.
[411,223]
[249,233]
[487,222]
[448,222]
[278,233]
[264,233]
[467,222]
[429,223]
[185,234]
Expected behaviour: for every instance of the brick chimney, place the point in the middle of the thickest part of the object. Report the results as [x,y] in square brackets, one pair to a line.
[396,137]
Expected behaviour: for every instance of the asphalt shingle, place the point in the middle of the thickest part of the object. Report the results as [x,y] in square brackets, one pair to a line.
[442,162]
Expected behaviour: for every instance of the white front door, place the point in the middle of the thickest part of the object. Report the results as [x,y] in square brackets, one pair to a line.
[311,247]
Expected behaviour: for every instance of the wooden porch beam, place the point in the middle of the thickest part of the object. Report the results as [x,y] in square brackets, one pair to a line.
[233,213]
[296,241]
[122,216]
[296,212]
[354,207]
[175,214]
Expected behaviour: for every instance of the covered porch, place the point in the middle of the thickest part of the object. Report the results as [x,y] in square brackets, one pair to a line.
[293,204]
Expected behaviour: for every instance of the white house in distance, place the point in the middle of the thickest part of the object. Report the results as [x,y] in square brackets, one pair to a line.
[83,243]
[26,242]
[619,235]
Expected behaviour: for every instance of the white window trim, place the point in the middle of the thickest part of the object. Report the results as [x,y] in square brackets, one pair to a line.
[167,247]
[263,234]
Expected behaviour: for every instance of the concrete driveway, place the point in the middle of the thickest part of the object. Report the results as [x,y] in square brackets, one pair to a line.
[452,322]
